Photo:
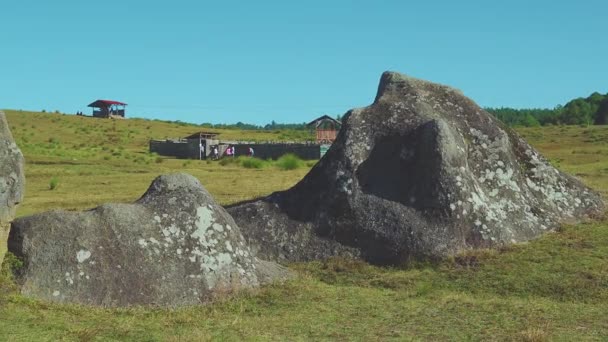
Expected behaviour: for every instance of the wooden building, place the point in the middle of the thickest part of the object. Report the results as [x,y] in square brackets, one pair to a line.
[201,135]
[108,109]
[326,129]
[205,141]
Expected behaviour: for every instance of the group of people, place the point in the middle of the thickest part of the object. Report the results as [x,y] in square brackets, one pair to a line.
[229,152]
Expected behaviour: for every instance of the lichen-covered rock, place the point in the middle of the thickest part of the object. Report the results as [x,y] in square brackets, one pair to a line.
[175,246]
[422,172]
[12,181]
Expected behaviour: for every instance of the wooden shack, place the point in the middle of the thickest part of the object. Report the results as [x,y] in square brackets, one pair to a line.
[326,129]
[205,140]
[201,135]
[108,109]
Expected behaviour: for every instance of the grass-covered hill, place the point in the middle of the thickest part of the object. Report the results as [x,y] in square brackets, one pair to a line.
[61,135]
[553,288]
[93,160]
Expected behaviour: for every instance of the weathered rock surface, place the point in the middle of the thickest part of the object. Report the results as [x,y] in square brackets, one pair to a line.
[175,246]
[12,181]
[422,172]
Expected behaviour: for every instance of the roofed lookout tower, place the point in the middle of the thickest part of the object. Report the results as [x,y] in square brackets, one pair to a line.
[108,109]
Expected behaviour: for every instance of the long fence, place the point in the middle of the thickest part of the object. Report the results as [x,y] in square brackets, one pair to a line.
[189,149]
[186,149]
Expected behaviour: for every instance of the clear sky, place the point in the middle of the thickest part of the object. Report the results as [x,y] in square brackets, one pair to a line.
[290,61]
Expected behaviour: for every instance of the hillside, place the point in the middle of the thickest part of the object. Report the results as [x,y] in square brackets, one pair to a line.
[98,160]
[64,135]
[553,288]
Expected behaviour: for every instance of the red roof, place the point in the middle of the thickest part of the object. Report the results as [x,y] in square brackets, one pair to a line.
[105,103]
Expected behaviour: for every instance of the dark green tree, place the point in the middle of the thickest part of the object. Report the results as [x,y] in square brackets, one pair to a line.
[601,116]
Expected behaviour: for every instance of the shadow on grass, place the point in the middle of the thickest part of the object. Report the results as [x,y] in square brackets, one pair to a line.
[567,265]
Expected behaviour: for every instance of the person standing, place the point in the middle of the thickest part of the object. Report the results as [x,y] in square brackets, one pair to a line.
[216,154]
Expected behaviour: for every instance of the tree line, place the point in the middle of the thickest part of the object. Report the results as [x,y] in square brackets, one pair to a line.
[592,110]
[272,126]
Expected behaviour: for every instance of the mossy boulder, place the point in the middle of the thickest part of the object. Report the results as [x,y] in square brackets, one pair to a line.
[173,247]
[423,172]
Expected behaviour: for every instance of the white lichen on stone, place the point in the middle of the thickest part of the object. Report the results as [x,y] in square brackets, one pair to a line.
[69,278]
[82,255]
[218,227]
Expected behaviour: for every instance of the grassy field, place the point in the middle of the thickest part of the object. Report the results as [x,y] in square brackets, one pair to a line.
[96,161]
[554,288]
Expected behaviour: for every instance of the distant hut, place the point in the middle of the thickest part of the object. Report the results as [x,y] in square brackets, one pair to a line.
[108,109]
[205,142]
[201,135]
[326,129]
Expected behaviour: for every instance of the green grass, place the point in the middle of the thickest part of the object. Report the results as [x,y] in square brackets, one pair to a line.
[286,162]
[99,161]
[253,163]
[289,162]
[553,288]
[53,183]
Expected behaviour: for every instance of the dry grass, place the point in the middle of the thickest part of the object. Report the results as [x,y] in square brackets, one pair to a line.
[554,288]
[92,161]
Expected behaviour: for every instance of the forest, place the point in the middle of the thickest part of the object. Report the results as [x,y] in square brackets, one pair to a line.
[592,110]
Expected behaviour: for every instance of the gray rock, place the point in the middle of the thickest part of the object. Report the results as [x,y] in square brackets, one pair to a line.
[423,172]
[175,246]
[12,181]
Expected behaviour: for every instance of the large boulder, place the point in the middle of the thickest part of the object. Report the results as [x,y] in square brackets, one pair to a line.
[173,247]
[12,181]
[423,172]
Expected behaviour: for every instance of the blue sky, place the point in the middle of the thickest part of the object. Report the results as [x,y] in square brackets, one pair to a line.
[257,61]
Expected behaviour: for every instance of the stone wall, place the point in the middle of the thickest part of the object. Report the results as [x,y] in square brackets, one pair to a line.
[274,151]
[190,149]
[179,149]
